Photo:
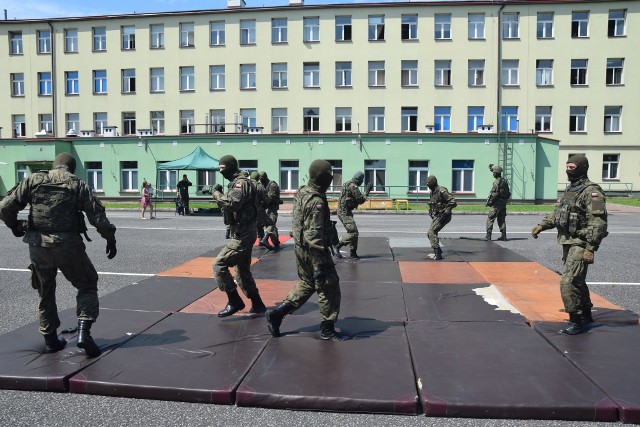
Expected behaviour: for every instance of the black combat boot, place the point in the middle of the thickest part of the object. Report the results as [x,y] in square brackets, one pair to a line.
[438,253]
[576,325]
[52,343]
[503,236]
[85,341]
[257,306]
[228,234]
[587,318]
[488,236]
[234,305]
[328,332]
[336,250]
[275,242]
[265,242]
[353,254]
[274,317]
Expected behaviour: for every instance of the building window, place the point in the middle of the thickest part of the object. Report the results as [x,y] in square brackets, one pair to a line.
[476,72]
[610,164]
[409,119]
[205,177]
[94,175]
[545,25]
[71,40]
[311,120]
[187,79]
[46,122]
[343,74]
[99,81]
[544,72]
[409,73]
[248,165]
[442,119]
[167,180]
[129,80]
[475,118]
[100,122]
[216,33]
[510,26]
[19,125]
[376,73]
[343,119]
[129,176]
[418,173]
[187,121]
[21,172]
[289,175]
[376,119]
[44,84]
[279,30]
[129,123]
[248,31]
[509,119]
[510,72]
[612,119]
[279,120]
[311,74]
[99,39]
[248,118]
[543,119]
[442,26]
[409,28]
[217,121]
[577,119]
[616,23]
[462,176]
[156,79]
[156,33]
[72,85]
[343,28]
[17,84]
[216,77]
[442,73]
[311,29]
[187,35]
[44,41]
[128,34]
[579,72]
[247,76]
[376,27]
[614,71]
[336,183]
[279,75]
[157,122]
[475,26]
[15,43]
[375,173]
[579,24]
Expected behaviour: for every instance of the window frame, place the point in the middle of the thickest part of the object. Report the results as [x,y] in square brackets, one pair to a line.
[614,75]
[279,30]
[127,37]
[99,39]
[217,77]
[409,73]
[344,28]
[442,72]
[442,118]
[217,33]
[310,29]
[156,80]
[442,26]
[311,75]
[578,119]
[156,38]
[475,27]
[544,25]
[409,119]
[409,27]
[544,119]
[459,184]
[544,72]
[248,77]
[376,119]
[375,28]
[613,119]
[418,174]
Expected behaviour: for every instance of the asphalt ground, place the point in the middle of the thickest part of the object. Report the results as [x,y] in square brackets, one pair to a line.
[147,247]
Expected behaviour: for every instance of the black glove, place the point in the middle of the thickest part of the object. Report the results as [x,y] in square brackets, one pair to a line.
[20,229]
[218,188]
[111,248]
[207,189]
[319,276]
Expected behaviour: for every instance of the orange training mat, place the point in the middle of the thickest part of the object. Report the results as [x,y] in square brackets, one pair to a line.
[517,273]
[439,273]
[199,267]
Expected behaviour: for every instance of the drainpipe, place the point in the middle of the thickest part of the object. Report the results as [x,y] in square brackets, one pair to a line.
[54,86]
[498,86]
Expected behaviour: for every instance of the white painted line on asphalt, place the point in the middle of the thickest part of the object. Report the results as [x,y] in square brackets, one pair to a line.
[25,270]
[614,283]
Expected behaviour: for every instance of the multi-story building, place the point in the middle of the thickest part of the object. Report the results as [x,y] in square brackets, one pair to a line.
[460,76]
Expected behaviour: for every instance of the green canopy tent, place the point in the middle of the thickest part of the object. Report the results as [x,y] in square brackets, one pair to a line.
[197,160]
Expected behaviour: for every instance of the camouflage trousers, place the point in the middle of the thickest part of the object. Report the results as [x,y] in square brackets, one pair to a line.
[236,254]
[437,224]
[573,285]
[72,260]
[498,212]
[261,222]
[271,229]
[328,292]
[346,217]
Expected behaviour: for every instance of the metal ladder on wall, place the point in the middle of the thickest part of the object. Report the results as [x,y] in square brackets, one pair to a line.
[505,148]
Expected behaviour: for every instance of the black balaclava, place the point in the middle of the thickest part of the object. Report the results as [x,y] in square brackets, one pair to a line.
[263,178]
[320,174]
[432,182]
[358,177]
[497,171]
[582,167]
[65,159]
[230,166]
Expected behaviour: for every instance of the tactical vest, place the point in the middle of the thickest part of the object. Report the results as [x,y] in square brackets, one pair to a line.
[54,206]
[247,211]
[565,216]
[302,198]
[346,199]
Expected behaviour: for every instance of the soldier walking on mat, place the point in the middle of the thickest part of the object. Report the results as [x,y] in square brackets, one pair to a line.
[350,199]
[497,201]
[581,220]
[271,204]
[441,203]
[53,231]
[312,231]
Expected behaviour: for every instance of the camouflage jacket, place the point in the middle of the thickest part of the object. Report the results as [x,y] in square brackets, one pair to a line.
[271,196]
[350,196]
[580,216]
[500,192]
[312,224]
[441,200]
[239,205]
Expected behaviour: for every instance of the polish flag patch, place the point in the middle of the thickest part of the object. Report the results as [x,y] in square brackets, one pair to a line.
[319,205]
[238,185]
[595,194]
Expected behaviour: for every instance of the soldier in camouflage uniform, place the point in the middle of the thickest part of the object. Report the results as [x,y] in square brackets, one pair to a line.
[239,208]
[350,199]
[260,215]
[312,231]
[441,203]
[497,201]
[581,220]
[271,204]
[57,199]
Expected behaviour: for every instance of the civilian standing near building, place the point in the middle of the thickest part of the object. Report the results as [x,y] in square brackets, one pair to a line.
[441,203]
[183,193]
[145,201]
[312,231]
[581,220]
[54,231]
[350,199]
[271,204]
[497,201]
[238,206]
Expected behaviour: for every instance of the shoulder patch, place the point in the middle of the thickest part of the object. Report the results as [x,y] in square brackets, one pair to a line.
[319,205]
[238,185]
[595,194]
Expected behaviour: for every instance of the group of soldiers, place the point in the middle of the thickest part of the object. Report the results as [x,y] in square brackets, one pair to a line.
[55,225]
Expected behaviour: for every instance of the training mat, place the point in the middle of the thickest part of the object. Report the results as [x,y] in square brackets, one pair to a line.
[499,370]
[186,357]
[480,250]
[25,366]
[381,271]
[439,272]
[458,303]
[608,355]
[424,253]
[371,249]
[370,373]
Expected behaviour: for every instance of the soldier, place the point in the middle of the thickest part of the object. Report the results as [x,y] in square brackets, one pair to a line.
[183,192]
[350,199]
[57,199]
[260,215]
[581,220]
[238,206]
[441,203]
[271,204]
[497,201]
[312,233]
